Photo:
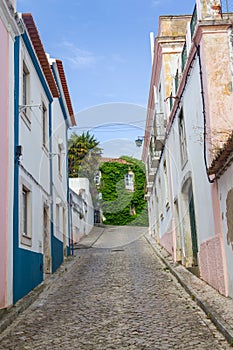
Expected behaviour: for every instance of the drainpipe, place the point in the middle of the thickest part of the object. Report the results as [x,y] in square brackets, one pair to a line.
[71,237]
[204,115]
[16,170]
[69,200]
[51,182]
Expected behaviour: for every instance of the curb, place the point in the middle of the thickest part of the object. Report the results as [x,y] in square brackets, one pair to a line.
[88,245]
[220,324]
[10,314]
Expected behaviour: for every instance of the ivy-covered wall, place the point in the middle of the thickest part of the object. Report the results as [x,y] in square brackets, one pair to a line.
[117,203]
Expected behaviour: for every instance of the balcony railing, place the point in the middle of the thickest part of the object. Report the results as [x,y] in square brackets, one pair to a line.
[159,125]
[176,80]
[193,22]
[159,131]
[171,101]
[184,56]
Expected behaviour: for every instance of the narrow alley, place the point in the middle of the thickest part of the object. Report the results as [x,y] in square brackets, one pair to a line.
[115,294]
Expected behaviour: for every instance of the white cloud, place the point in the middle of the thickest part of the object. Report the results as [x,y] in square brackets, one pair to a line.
[118,58]
[156,3]
[78,57]
[81,58]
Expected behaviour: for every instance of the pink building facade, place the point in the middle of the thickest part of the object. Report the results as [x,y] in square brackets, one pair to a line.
[8,30]
[189,120]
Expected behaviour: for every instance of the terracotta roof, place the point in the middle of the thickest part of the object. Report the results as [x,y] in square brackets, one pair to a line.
[113,160]
[65,90]
[40,52]
[219,164]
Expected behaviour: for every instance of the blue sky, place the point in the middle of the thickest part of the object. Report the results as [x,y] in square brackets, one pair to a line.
[105,49]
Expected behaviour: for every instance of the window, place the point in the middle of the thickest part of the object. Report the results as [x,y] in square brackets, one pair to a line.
[97,177]
[59,160]
[45,125]
[26,215]
[57,218]
[166,184]
[26,76]
[25,210]
[160,99]
[26,94]
[129,181]
[182,136]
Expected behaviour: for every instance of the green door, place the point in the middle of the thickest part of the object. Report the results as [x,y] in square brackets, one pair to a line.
[193,227]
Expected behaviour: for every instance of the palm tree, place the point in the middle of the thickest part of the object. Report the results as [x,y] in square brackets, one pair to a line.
[82,151]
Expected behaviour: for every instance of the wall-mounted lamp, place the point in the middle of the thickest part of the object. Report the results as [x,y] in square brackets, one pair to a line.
[18,152]
[172,97]
[139,141]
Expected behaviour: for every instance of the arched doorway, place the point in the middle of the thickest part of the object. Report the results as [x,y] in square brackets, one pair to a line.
[189,225]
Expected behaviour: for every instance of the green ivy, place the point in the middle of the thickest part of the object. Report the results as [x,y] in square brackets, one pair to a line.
[116,200]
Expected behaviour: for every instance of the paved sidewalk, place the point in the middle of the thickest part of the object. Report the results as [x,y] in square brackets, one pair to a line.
[217,307]
[89,240]
[9,315]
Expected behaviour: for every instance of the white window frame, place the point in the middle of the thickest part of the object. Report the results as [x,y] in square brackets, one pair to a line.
[166,184]
[182,137]
[25,99]
[25,194]
[45,126]
[59,161]
[129,181]
[57,218]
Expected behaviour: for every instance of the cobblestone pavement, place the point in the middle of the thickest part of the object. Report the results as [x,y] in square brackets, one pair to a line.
[114,298]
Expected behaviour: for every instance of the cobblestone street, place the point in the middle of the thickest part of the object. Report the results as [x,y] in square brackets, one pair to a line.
[114,296]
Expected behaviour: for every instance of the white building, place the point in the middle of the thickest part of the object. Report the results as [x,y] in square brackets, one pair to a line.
[62,119]
[43,115]
[82,211]
[190,107]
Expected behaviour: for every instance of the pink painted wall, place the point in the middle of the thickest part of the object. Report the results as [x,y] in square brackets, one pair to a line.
[217,79]
[211,266]
[4,152]
[167,242]
[218,86]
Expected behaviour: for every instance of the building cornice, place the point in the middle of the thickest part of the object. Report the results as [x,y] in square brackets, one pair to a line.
[10,18]
[204,27]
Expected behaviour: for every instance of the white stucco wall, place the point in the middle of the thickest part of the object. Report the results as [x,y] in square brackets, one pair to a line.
[34,170]
[81,185]
[194,122]
[177,173]
[59,178]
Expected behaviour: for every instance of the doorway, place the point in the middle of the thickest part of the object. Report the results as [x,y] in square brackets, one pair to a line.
[177,233]
[46,241]
[189,226]
[193,226]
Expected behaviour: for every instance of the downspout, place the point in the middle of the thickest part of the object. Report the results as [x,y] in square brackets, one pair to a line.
[68,199]
[204,115]
[51,182]
[71,237]
[16,166]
